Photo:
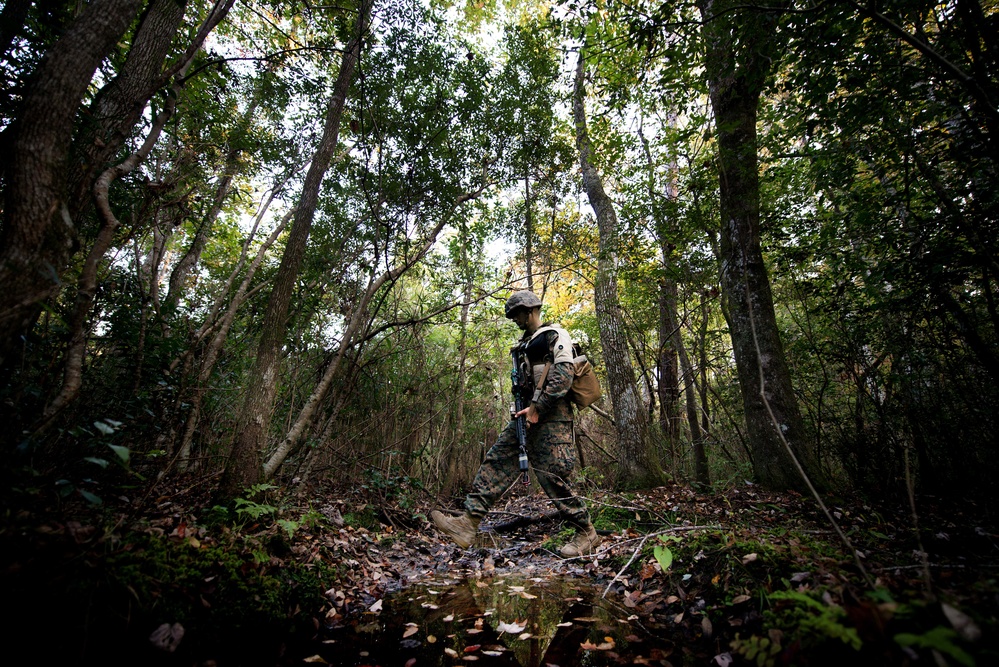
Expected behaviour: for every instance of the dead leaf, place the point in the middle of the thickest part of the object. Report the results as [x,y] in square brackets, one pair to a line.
[411,662]
[315,658]
[167,637]
[470,657]
[492,653]
[431,639]
[410,631]
[671,599]
[962,623]
[512,628]
[473,648]
[567,624]
[749,558]
[522,637]
[678,617]
[723,659]
[451,652]
[449,618]
[528,596]
[739,599]
[473,631]
[376,607]
[706,628]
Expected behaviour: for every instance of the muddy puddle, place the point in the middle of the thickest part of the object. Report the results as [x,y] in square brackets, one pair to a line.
[512,620]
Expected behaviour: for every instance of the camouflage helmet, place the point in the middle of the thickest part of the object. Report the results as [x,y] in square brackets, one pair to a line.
[524,298]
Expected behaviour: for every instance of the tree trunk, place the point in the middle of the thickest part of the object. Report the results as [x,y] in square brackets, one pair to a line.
[450,481]
[740,51]
[221,332]
[243,467]
[120,103]
[638,467]
[528,230]
[38,233]
[666,364]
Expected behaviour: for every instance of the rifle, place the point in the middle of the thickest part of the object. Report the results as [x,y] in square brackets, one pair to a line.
[523,392]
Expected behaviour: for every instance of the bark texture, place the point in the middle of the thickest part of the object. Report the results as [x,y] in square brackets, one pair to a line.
[38,232]
[118,106]
[243,467]
[740,52]
[638,467]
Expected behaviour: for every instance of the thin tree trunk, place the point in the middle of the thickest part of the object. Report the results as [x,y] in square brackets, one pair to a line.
[458,441]
[38,232]
[701,474]
[183,268]
[214,348]
[666,364]
[638,467]
[87,284]
[668,387]
[253,421]
[528,230]
[359,315]
[738,57]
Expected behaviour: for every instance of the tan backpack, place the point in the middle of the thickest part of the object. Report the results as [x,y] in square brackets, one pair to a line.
[585,388]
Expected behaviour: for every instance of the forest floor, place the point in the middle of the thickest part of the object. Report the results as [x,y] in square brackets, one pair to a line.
[330,576]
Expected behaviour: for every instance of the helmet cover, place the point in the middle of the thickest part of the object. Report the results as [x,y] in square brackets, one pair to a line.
[524,298]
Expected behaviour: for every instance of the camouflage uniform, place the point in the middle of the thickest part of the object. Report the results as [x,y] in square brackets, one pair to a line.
[550,448]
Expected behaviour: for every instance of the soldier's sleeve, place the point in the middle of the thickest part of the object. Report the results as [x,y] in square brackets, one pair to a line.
[557,385]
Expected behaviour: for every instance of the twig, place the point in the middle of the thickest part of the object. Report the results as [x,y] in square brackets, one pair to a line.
[956,566]
[596,444]
[603,413]
[634,555]
[675,529]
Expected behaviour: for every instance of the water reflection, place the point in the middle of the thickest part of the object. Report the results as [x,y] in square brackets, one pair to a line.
[497,621]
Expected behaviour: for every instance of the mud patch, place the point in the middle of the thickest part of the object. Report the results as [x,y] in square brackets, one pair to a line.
[502,620]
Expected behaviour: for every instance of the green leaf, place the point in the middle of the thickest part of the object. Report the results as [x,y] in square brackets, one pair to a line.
[93,459]
[104,428]
[290,526]
[90,497]
[664,556]
[938,639]
[122,452]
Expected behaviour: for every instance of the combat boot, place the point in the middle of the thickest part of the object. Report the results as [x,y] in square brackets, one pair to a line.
[583,544]
[461,529]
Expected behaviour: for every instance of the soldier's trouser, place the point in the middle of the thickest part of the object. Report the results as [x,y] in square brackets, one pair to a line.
[552,456]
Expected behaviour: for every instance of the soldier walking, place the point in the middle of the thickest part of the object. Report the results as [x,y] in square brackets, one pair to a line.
[549,436]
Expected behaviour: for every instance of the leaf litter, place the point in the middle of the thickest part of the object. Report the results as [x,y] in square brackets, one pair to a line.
[510,595]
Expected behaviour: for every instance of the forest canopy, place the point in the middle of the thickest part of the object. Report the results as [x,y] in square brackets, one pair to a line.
[271,241]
